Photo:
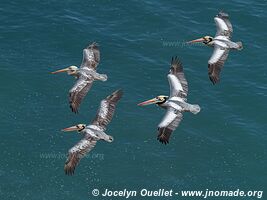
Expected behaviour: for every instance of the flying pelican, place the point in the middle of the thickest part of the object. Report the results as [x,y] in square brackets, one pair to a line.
[175,104]
[92,132]
[221,43]
[85,76]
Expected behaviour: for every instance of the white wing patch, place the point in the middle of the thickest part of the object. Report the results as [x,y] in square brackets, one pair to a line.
[104,109]
[221,37]
[175,99]
[174,105]
[82,145]
[168,118]
[88,54]
[221,25]
[175,84]
[94,127]
[217,54]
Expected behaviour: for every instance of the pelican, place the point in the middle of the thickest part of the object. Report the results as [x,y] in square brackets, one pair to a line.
[221,43]
[92,132]
[175,104]
[85,76]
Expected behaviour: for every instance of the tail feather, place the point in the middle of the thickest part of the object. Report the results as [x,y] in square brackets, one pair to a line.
[194,109]
[240,45]
[110,138]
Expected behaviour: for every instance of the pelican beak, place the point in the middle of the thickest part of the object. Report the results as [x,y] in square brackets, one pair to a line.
[197,40]
[149,102]
[72,128]
[59,71]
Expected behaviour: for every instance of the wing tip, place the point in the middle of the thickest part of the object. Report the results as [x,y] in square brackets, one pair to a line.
[176,64]
[162,140]
[69,168]
[214,79]
[222,14]
[213,75]
[69,171]
[163,137]
[118,93]
[175,60]
[93,45]
[73,108]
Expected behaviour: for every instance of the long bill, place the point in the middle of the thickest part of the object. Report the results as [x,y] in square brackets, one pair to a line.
[72,128]
[59,71]
[149,102]
[197,40]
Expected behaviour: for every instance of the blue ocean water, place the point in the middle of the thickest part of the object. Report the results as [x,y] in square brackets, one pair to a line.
[221,148]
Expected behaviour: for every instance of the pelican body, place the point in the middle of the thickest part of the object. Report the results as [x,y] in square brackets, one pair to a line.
[175,104]
[221,44]
[85,76]
[93,132]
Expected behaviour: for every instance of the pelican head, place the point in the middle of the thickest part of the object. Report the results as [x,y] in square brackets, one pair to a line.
[206,40]
[78,127]
[71,70]
[157,100]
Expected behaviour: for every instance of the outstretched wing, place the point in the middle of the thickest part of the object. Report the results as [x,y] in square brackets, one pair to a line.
[216,62]
[168,124]
[177,81]
[78,92]
[223,24]
[91,56]
[76,153]
[107,109]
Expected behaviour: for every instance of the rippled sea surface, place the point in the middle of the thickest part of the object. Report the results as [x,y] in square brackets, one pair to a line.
[224,147]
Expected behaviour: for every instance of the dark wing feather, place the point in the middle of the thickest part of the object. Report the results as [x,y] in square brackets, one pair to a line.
[91,56]
[78,92]
[216,62]
[106,109]
[76,153]
[177,81]
[168,124]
